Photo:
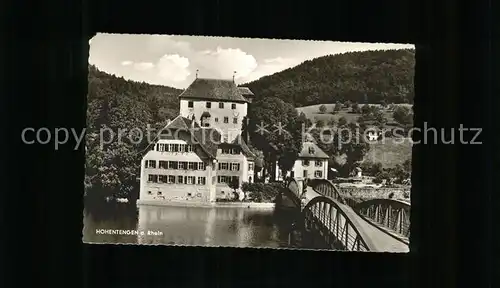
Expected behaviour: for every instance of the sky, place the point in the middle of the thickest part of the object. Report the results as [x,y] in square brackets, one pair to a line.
[172,60]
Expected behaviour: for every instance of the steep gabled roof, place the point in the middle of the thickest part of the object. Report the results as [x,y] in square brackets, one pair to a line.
[213,89]
[244,147]
[311,150]
[208,138]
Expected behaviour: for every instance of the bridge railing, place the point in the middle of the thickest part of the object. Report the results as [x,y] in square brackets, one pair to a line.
[389,213]
[334,221]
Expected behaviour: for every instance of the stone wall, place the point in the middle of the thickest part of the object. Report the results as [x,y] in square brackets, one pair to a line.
[376,193]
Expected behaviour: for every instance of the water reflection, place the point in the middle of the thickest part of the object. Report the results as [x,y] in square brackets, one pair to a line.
[221,226]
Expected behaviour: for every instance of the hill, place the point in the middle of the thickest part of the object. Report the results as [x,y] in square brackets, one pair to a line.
[362,77]
[103,88]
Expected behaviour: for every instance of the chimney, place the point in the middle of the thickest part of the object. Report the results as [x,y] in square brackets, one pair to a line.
[192,122]
[234,74]
[197,73]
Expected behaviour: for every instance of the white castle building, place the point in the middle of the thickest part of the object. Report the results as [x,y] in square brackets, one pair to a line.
[201,150]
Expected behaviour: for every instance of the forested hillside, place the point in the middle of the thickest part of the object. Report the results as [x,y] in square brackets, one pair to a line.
[362,77]
[114,103]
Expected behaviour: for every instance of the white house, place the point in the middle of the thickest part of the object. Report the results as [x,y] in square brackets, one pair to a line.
[201,150]
[312,162]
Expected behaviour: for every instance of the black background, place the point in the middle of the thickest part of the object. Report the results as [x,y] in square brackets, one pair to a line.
[44,85]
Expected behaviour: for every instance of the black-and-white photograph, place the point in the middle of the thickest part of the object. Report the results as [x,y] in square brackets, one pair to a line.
[241,142]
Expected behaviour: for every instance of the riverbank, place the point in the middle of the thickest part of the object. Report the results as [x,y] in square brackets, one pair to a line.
[205,204]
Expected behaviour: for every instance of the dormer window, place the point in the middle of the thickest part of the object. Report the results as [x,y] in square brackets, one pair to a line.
[221,105]
[311,150]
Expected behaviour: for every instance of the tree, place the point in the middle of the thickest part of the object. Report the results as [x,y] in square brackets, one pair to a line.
[342,121]
[403,115]
[366,109]
[348,143]
[282,138]
[322,109]
[337,107]
[332,122]
[370,168]
[303,119]
[355,108]
[320,124]
[235,185]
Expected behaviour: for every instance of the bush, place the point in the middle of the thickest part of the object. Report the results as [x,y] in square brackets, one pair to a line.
[322,109]
[261,192]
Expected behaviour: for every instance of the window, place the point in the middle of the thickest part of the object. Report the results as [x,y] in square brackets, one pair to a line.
[190,104]
[191,165]
[209,104]
[183,165]
[172,164]
[201,166]
[158,193]
[221,105]
[176,148]
[226,119]
[171,179]
[223,166]
[163,164]
[190,180]
[180,179]
[162,147]
[305,162]
[305,173]
[318,174]
[216,119]
[311,150]
[235,166]
[318,163]
[162,178]
[226,151]
[233,106]
[153,178]
[235,120]
[250,166]
[189,148]
[201,180]
[150,164]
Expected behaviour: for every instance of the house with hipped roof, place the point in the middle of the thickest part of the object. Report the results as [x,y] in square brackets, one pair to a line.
[312,163]
[201,151]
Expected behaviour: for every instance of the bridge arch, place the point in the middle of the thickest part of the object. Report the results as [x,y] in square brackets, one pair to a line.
[336,224]
[326,188]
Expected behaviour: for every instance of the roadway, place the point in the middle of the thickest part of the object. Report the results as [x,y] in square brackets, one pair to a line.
[382,241]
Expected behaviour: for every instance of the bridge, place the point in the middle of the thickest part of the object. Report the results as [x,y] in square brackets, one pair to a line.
[346,223]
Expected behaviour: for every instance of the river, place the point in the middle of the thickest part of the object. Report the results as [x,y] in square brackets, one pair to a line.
[194,226]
